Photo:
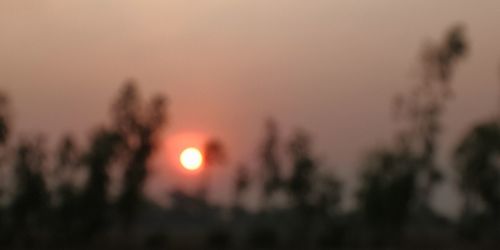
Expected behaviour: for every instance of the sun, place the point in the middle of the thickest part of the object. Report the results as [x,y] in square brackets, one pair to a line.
[191,158]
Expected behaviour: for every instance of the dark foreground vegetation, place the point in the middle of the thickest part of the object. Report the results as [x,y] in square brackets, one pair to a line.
[89,195]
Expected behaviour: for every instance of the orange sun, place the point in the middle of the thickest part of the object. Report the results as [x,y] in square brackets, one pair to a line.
[191,158]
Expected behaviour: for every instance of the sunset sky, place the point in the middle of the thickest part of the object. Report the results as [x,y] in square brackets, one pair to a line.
[330,67]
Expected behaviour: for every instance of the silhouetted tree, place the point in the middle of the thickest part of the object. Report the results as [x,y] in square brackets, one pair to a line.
[478,168]
[4,118]
[214,155]
[423,106]
[30,203]
[397,182]
[241,184]
[386,193]
[271,173]
[4,135]
[214,152]
[327,194]
[68,162]
[103,151]
[300,187]
[303,166]
[138,125]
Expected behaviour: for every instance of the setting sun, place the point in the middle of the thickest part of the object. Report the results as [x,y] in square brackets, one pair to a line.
[191,158]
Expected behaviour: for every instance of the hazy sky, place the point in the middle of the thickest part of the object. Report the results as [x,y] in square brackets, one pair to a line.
[330,67]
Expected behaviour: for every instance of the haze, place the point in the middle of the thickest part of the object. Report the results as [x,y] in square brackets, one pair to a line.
[330,67]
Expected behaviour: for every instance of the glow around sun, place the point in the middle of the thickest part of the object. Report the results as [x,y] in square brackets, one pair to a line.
[191,158]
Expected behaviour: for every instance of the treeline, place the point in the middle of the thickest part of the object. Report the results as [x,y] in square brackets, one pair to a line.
[66,197]
[92,196]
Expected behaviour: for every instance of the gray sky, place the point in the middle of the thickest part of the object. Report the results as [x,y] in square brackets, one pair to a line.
[330,67]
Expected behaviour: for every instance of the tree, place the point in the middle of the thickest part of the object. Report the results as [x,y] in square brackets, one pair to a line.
[67,166]
[4,118]
[4,135]
[313,196]
[30,203]
[397,182]
[139,126]
[105,144]
[387,192]
[270,164]
[423,106]
[300,184]
[328,195]
[478,169]
[241,184]
[214,154]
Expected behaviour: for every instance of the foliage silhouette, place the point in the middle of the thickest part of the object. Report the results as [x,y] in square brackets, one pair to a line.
[95,202]
[4,118]
[139,127]
[66,195]
[479,176]
[397,182]
[270,164]
[214,152]
[30,203]
[422,109]
[242,183]
[303,167]
[387,193]
[4,135]
[214,155]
